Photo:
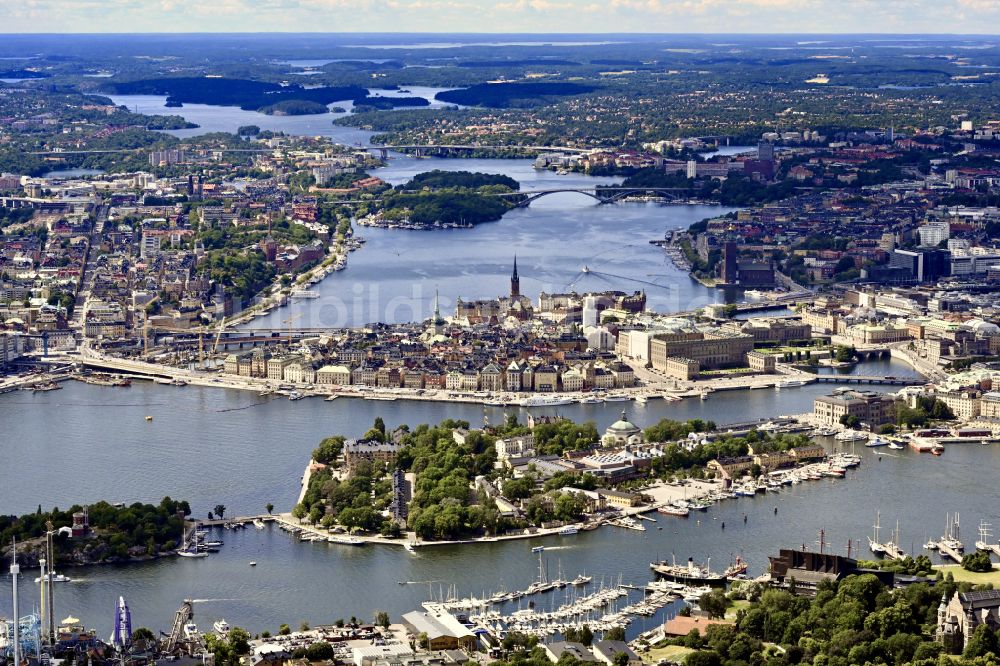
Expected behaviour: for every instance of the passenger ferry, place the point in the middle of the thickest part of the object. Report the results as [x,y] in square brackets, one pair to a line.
[791,383]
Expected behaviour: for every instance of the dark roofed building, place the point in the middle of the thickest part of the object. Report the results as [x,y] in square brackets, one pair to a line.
[809,569]
[578,651]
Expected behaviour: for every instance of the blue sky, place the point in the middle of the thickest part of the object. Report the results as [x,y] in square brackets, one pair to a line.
[661,16]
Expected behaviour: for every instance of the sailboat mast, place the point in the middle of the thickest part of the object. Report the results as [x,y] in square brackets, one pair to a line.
[15,570]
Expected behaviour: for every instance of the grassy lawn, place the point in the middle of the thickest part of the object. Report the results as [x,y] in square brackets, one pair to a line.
[735,608]
[670,652]
[962,576]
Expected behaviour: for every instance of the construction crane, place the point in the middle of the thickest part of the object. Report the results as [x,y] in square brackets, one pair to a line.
[289,322]
[218,335]
[145,326]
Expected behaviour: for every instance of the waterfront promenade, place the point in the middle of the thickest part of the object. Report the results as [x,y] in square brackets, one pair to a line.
[650,384]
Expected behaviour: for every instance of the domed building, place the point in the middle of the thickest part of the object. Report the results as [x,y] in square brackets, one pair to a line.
[622,433]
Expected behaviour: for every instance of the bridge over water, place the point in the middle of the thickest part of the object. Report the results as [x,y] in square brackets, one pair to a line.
[422,150]
[603,195]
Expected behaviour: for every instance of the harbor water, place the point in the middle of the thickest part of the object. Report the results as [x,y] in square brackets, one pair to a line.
[211,446]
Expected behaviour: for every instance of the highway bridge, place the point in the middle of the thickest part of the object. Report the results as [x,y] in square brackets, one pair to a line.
[422,150]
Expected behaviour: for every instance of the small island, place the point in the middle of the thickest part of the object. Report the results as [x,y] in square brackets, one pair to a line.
[442,199]
[100,533]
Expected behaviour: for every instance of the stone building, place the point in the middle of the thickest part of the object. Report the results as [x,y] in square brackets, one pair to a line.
[872,409]
[714,349]
[959,617]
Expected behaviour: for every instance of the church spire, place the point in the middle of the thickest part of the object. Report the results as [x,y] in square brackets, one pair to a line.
[437,307]
[515,281]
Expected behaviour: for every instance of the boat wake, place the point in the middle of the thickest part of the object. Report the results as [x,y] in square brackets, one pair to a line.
[237,409]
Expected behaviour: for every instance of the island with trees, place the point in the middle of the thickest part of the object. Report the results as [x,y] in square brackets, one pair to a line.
[458,488]
[113,533]
[438,199]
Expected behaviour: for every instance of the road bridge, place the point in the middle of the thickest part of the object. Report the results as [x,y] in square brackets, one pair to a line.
[870,379]
[421,150]
[603,195]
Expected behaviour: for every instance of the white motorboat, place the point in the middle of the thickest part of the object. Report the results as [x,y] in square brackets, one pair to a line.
[876,442]
[545,401]
[791,383]
[221,627]
[850,436]
[56,578]
[191,630]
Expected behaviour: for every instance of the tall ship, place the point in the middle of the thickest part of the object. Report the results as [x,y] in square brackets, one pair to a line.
[874,545]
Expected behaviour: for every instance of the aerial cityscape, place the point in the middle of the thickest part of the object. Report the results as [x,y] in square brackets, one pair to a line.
[575,335]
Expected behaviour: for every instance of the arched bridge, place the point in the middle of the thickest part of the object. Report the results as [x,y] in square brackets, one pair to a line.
[603,195]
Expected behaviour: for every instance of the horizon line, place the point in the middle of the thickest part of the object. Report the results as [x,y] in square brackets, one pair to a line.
[548,33]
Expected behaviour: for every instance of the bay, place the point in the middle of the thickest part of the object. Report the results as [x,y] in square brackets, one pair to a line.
[246,457]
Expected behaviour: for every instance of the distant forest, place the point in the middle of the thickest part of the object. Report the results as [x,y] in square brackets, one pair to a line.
[504,95]
[257,95]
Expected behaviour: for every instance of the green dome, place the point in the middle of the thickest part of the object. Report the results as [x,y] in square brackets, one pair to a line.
[623,426]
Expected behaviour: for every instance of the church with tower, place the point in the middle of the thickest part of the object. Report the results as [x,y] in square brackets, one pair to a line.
[496,311]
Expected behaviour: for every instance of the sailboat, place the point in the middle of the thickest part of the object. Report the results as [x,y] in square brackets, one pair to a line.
[892,549]
[950,539]
[873,543]
[985,537]
[190,546]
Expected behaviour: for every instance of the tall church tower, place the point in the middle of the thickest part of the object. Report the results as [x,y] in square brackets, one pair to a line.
[515,281]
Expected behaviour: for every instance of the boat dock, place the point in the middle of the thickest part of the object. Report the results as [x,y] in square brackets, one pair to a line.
[946,550]
[628,523]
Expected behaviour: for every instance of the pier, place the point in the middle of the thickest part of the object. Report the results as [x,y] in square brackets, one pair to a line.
[948,551]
